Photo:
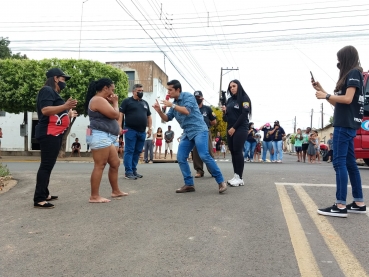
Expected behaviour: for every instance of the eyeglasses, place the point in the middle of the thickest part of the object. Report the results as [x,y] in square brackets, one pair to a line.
[140,90]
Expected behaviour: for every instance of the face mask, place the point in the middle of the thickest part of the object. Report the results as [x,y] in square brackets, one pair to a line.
[339,65]
[62,85]
[140,94]
[199,101]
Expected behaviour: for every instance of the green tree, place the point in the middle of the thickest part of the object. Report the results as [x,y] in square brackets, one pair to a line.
[20,81]
[221,126]
[331,120]
[6,53]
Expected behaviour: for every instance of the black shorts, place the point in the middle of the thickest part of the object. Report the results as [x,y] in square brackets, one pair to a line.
[305,146]
[217,147]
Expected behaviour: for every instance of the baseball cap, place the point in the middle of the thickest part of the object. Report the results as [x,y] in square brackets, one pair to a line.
[198,93]
[276,122]
[267,125]
[57,72]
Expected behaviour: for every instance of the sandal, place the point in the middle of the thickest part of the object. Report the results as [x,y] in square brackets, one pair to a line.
[47,205]
[52,197]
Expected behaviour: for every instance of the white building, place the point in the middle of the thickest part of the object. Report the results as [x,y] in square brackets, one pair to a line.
[147,73]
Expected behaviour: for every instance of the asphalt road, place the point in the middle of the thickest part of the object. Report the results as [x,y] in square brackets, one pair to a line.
[261,229]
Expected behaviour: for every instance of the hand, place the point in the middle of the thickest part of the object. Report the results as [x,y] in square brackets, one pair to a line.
[148,133]
[276,127]
[166,103]
[224,109]
[156,106]
[231,131]
[320,94]
[71,103]
[317,86]
[72,113]
[112,98]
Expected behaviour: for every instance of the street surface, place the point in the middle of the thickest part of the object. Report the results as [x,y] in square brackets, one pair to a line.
[269,227]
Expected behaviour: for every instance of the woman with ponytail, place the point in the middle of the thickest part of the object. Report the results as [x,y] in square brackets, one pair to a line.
[348,100]
[236,114]
[102,108]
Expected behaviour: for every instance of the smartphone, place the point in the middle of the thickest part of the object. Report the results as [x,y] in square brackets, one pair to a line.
[312,76]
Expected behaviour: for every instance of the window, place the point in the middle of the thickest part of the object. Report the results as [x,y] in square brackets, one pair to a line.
[2,113]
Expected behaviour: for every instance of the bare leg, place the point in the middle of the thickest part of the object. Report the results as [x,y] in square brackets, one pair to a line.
[171,154]
[114,163]
[159,152]
[156,149]
[100,157]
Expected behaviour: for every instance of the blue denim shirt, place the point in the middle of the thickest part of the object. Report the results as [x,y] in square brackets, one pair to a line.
[193,123]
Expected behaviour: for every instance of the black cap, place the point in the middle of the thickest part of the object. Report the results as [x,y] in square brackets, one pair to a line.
[198,93]
[57,72]
[276,122]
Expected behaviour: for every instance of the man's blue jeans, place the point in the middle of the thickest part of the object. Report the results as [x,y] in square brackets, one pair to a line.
[133,145]
[201,143]
[277,145]
[249,150]
[267,146]
[344,161]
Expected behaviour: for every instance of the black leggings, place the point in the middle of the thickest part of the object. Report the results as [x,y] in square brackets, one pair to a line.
[236,145]
[50,146]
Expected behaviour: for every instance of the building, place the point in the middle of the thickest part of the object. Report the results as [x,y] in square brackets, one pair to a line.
[147,73]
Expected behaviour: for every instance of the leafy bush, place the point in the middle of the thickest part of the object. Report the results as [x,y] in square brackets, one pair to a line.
[4,171]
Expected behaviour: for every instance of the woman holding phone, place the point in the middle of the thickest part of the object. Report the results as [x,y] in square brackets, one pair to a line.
[348,100]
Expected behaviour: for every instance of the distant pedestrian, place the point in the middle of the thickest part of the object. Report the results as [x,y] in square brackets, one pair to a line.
[102,107]
[53,119]
[311,151]
[223,149]
[236,114]
[348,114]
[257,151]
[277,134]
[267,142]
[298,145]
[305,142]
[149,145]
[158,141]
[218,140]
[88,134]
[186,111]
[214,146]
[136,115]
[330,148]
[317,146]
[76,148]
[250,144]
[169,136]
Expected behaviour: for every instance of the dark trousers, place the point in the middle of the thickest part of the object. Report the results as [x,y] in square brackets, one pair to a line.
[148,148]
[50,146]
[235,146]
[198,164]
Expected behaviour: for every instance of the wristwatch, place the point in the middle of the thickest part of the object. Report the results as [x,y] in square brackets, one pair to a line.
[174,106]
[327,96]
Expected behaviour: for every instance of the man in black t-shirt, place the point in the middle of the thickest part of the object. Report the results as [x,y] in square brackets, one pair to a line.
[169,136]
[136,115]
[210,120]
[76,148]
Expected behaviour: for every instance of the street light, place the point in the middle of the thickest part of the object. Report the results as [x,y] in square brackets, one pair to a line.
[80,30]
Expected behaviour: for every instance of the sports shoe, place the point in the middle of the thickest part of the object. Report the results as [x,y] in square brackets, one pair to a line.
[237,181]
[229,181]
[130,176]
[333,211]
[137,175]
[353,208]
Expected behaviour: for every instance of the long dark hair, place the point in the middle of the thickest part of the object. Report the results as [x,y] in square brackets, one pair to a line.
[348,58]
[240,93]
[160,130]
[94,87]
[50,83]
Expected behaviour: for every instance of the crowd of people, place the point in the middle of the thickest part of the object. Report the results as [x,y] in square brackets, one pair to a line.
[108,121]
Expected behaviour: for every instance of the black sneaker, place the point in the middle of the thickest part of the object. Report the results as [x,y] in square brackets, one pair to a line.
[353,208]
[130,176]
[137,175]
[333,211]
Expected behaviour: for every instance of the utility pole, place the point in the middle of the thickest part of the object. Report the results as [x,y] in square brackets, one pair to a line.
[322,117]
[294,126]
[221,79]
[311,119]
[80,31]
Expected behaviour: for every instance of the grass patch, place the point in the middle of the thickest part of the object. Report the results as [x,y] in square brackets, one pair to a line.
[4,171]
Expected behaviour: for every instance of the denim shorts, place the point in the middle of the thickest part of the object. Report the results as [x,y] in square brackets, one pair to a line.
[101,139]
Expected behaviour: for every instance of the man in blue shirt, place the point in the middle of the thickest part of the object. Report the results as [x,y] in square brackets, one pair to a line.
[185,109]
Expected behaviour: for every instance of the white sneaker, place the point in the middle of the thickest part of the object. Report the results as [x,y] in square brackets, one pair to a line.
[234,177]
[236,181]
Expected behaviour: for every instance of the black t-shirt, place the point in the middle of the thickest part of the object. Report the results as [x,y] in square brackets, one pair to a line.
[267,137]
[236,116]
[135,113]
[76,145]
[250,136]
[56,124]
[207,113]
[278,133]
[350,115]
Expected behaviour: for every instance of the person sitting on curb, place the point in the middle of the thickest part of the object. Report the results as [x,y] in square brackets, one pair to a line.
[76,148]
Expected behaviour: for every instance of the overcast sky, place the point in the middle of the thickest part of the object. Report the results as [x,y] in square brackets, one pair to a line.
[274,44]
